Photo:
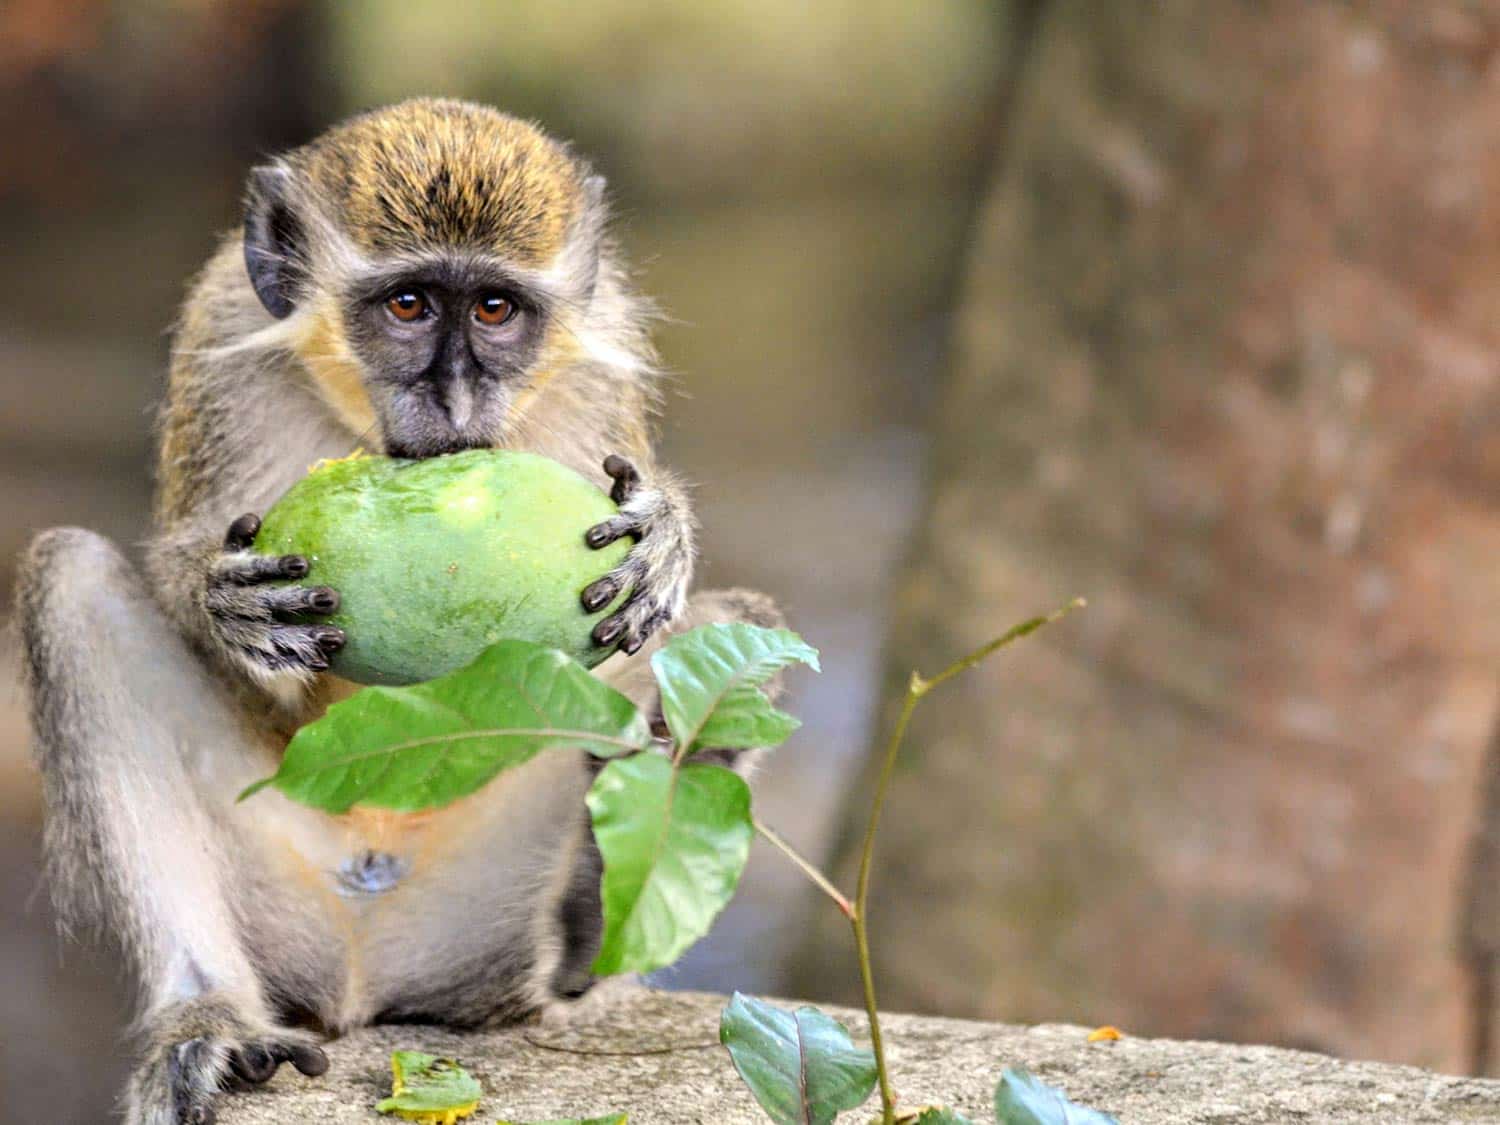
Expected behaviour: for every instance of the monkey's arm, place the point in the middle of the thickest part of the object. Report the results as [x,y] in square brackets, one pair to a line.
[654,512]
[236,606]
[139,750]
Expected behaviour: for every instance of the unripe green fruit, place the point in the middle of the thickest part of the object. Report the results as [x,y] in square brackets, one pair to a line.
[436,560]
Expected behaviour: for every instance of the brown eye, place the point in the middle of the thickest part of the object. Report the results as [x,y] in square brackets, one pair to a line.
[494,309]
[406,306]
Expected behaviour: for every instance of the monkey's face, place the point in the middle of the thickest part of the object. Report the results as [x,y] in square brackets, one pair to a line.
[441,250]
[444,350]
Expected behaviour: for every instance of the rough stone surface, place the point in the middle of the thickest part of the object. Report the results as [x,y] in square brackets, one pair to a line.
[1142,1081]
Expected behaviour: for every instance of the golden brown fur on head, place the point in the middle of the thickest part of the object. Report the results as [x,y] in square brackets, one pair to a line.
[451,173]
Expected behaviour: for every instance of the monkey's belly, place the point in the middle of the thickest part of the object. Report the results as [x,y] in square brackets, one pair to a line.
[441,915]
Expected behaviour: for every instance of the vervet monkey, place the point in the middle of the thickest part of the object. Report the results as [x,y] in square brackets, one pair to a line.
[426,278]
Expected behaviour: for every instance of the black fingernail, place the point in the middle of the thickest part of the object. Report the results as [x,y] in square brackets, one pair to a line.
[600,535]
[204,1115]
[317,662]
[311,1061]
[242,532]
[294,566]
[331,638]
[608,631]
[324,600]
[632,646]
[614,465]
[599,594]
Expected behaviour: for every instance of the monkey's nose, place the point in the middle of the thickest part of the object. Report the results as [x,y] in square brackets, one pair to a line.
[457,397]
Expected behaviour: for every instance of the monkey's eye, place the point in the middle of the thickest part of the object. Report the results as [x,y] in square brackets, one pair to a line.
[493,309]
[407,305]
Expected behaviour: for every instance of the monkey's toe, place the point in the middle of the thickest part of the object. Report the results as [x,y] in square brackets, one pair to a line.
[309,1059]
[252,1063]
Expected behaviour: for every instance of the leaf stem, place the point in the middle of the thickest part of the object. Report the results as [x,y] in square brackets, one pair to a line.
[806,866]
[916,689]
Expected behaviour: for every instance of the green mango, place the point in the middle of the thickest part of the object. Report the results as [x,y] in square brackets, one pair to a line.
[436,560]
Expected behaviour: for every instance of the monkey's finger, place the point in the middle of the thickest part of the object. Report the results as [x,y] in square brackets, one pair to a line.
[252,1063]
[293,601]
[643,630]
[625,476]
[330,638]
[608,631]
[301,646]
[616,527]
[242,532]
[249,570]
[633,623]
[599,594]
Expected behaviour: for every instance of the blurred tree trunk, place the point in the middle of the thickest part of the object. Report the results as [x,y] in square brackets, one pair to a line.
[1226,364]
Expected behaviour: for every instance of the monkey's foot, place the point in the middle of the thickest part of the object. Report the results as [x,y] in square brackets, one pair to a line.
[262,626]
[656,571]
[203,1048]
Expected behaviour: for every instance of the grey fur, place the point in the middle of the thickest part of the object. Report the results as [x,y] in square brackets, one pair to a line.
[155,699]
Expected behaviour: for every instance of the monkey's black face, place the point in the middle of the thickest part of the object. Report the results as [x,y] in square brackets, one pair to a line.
[446,348]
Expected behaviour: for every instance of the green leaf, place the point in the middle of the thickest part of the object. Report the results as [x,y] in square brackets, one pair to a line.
[424,746]
[801,1066]
[674,843]
[1023,1099]
[710,679]
[422,1085]
[608,1119]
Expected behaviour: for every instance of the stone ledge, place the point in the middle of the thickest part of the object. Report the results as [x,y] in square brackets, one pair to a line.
[1142,1081]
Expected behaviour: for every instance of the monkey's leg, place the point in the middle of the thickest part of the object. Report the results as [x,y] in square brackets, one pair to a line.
[126,723]
[581,916]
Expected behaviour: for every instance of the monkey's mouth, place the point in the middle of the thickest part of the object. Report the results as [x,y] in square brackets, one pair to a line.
[419,429]
[420,450]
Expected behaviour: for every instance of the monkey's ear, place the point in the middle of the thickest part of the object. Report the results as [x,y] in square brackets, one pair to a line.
[275,242]
[580,258]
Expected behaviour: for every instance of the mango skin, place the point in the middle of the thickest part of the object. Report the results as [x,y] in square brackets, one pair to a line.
[436,560]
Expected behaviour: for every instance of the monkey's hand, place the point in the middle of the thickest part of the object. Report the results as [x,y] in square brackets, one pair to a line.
[199,1048]
[261,626]
[657,570]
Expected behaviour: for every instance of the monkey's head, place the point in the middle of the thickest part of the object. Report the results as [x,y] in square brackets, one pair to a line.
[429,261]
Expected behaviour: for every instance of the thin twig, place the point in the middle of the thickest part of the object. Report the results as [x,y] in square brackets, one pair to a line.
[916,689]
[806,866]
